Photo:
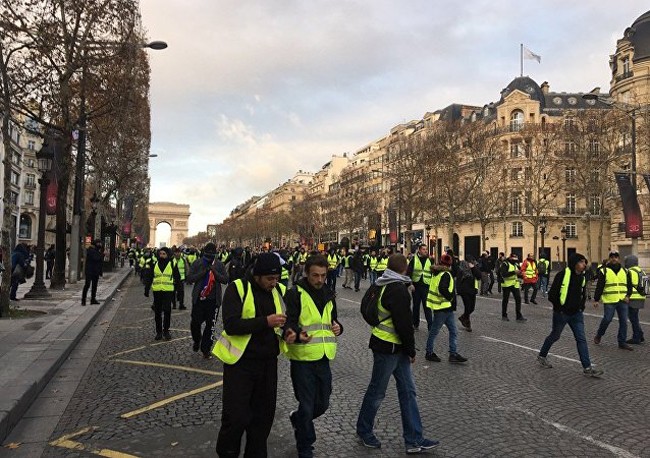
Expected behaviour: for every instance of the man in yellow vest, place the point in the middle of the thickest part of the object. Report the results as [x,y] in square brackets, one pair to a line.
[637,299]
[249,348]
[614,289]
[420,272]
[164,275]
[333,261]
[393,348]
[312,321]
[530,276]
[179,288]
[442,300]
[372,266]
[568,294]
[509,273]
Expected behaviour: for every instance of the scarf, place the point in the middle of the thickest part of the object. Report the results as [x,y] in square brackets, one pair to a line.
[208,282]
[390,276]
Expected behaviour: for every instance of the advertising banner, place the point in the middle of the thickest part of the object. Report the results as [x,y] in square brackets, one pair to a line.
[631,208]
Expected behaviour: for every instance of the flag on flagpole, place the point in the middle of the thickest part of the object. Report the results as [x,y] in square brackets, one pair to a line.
[528,54]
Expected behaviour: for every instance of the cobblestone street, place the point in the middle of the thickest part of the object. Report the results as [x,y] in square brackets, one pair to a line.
[146,398]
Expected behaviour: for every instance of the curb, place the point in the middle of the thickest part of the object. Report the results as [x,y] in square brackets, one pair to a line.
[18,398]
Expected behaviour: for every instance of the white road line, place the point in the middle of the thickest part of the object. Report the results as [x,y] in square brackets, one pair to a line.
[536,350]
[616,451]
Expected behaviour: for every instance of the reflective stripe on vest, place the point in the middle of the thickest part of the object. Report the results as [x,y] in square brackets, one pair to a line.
[180,264]
[319,328]
[332,261]
[636,274]
[163,280]
[564,290]
[530,269]
[615,286]
[382,265]
[230,349]
[284,274]
[510,281]
[373,262]
[435,300]
[420,271]
[303,258]
[385,329]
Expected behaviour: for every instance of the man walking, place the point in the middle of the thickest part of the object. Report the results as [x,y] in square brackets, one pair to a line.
[568,295]
[529,273]
[93,270]
[313,325]
[543,272]
[393,349]
[509,272]
[419,270]
[637,298]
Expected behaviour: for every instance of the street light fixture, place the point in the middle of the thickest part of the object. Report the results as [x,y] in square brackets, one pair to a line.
[44,158]
[563,232]
[542,231]
[94,203]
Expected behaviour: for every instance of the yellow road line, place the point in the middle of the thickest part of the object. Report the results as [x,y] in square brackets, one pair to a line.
[66,442]
[170,400]
[170,341]
[181,330]
[168,366]
[131,350]
[127,351]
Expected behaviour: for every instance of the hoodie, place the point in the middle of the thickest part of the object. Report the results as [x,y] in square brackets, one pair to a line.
[576,295]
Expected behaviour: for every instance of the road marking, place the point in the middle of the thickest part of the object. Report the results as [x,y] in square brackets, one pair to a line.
[127,351]
[536,350]
[170,341]
[616,451]
[146,346]
[180,330]
[66,442]
[170,400]
[168,366]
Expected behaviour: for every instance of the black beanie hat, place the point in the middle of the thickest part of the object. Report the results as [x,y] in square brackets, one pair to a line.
[267,264]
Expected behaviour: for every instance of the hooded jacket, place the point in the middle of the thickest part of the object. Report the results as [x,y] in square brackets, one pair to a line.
[600,285]
[294,306]
[443,286]
[576,295]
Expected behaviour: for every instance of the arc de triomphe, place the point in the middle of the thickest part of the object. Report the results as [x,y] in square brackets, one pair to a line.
[176,215]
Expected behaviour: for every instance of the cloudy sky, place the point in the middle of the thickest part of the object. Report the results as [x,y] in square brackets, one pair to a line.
[251,91]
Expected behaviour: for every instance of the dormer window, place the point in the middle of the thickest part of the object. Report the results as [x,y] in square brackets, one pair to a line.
[516,121]
[626,65]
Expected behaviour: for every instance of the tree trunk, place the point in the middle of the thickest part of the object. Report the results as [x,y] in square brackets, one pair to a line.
[58,276]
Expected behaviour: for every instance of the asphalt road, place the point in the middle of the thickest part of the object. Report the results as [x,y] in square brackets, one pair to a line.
[140,397]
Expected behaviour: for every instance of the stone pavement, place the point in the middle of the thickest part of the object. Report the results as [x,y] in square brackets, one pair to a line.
[33,349]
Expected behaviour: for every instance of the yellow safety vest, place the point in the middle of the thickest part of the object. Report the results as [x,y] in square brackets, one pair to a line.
[382,265]
[284,273]
[530,269]
[223,256]
[229,349]
[420,271]
[512,280]
[323,340]
[435,300]
[615,286]
[180,264]
[373,262]
[163,280]
[385,330]
[333,261]
[564,289]
[635,275]
[191,258]
[303,258]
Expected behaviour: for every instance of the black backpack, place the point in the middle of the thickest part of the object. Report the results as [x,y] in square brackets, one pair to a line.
[236,269]
[370,305]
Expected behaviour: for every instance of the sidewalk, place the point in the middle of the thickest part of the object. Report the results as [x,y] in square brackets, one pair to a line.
[33,349]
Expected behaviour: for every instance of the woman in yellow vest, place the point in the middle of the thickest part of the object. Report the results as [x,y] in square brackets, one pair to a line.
[164,274]
[312,321]
[249,348]
[568,295]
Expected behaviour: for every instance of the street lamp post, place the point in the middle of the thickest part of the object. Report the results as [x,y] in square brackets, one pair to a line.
[542,231]
[44,157]
[94,203]
[428,229]
[563,232]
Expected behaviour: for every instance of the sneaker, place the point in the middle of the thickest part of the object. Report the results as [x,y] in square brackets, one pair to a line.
[292,419]
[413,449]
[633,342]
[158,336]
[432,357]
[206,355]
[505,318]
[371,442]
[591,372]
[428,444]
[544,362]
[521,319]
[167,335]
[532,301]
[82,302]
[625,346]
[94,302]
[456,358]
[597,339]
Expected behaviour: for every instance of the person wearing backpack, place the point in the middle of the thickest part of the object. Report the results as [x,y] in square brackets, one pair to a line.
[543,272]
[392,342]
[313,326]
[420,272]
[637,298]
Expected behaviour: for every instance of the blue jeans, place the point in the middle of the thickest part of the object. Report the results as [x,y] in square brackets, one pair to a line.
[621,309]
[440,318]
[399,366]
[577,324]
[357,280]
[637,332]
[312,386]
[373,277]
[542,285]
[420,300]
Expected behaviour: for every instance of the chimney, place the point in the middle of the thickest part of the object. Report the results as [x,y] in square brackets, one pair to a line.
[545,88]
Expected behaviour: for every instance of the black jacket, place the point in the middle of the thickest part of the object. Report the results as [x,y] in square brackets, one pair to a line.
[443,286]
[465,283]
[197,273]
[576,295]
[600,285]
[94,262]
[264,342]
[176,276]
[397,300]
[294,307]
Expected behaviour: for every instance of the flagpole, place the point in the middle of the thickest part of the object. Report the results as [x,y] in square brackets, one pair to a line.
[521,58]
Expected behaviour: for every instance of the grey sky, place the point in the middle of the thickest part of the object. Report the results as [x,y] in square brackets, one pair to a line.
[250,91]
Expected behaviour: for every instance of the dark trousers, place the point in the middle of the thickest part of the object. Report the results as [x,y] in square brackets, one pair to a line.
[331,279]
[506,295]
[469,303]
[14,288]
[90,280]
[249,395]
[203,312]
[179,295]
[491,275]
[312,386]
[527,286]
[420,300]
[357,280]
[49,268]
[162,308]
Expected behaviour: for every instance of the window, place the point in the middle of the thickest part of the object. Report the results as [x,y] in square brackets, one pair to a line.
[515,175]
[15,158]
[515,203]
[25,228]
[594,205]
[626,65]
[30,180]
[568,123]
[570,175]
[594,148]
[29,197]
[571,232]
[516,120]
[15,178]
[569,147]
[14,198]
[515,150]
[31,145]
[571,204]
[517,229]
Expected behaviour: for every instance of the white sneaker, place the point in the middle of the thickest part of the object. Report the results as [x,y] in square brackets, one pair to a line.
[591,372]
[544,362]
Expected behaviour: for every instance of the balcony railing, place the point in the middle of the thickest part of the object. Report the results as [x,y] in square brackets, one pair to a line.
[624,76]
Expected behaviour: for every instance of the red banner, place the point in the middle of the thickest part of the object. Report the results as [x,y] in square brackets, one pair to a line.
[631,209]
[126,228]
[50,195]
